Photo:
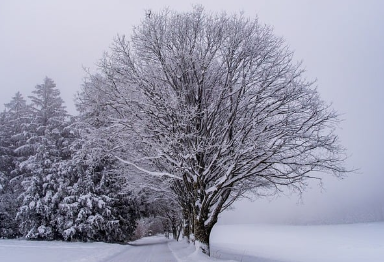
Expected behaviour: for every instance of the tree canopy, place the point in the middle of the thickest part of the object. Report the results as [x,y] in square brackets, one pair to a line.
[214,106]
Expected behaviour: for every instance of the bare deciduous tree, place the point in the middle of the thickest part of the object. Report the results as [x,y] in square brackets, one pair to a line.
[216,106]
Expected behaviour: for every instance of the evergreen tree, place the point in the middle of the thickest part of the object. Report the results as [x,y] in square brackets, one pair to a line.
[47,105]
[66,184]
[5,168]
[14,132]
[95,207]
[41,176]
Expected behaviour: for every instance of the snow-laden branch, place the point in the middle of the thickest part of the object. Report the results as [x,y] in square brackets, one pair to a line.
[151,173]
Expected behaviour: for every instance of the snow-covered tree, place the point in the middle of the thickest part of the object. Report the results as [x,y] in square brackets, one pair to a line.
[6,166]
[215,105]
[97,206]
[47,105]
[154,197]
[14,132]
[57,178]
[41,177]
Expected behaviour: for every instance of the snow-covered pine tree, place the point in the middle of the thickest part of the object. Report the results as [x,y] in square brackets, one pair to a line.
[14,132]
[68,186]
[41,177]
[6,165]
[48,106]
[96,206]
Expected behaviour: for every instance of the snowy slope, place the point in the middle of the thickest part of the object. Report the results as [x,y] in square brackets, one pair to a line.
[278,243]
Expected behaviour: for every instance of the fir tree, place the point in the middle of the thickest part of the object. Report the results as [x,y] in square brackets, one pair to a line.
[14,132]
[41,176]
[95,207]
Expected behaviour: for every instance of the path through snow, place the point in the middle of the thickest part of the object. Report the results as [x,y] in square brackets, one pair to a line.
[150,249]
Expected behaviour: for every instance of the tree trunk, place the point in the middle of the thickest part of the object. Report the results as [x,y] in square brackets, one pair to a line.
[179,229]
[186,231]
[188,221]
[202,233]
[174,231]
[202,229]
[187,224]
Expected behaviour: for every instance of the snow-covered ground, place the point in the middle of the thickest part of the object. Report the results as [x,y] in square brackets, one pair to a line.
[245,243]
[149,249]
[55,251]
[281,243]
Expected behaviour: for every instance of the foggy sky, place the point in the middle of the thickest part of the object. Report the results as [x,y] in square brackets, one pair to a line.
[340,42]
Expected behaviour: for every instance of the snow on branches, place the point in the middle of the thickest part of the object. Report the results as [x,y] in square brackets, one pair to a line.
[221,101]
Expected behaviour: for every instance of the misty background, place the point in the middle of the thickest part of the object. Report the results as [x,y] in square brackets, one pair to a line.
[340,43]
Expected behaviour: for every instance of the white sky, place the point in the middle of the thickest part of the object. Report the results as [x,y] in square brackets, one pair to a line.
[340,42]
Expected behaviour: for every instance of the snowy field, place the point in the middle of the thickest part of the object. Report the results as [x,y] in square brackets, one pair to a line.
[245,243]
[278,243]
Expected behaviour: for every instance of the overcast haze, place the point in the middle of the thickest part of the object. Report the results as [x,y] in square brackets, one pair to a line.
[340,42]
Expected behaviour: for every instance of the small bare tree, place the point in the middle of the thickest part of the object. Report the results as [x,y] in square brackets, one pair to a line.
[215,107]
